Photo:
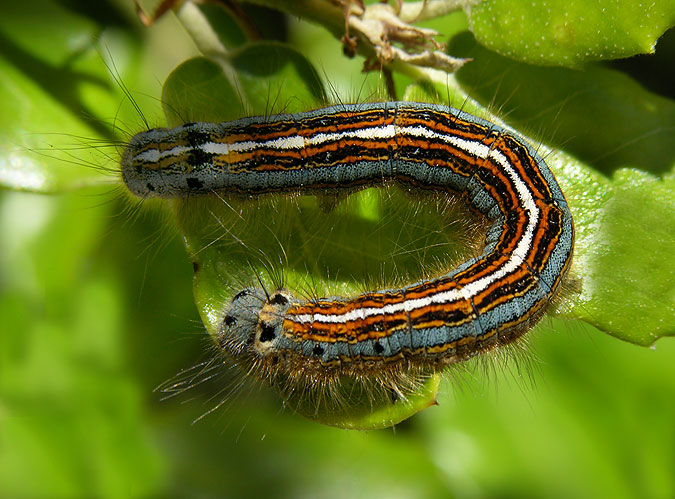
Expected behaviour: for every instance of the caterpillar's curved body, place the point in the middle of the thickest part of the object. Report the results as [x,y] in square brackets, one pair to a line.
[486,301]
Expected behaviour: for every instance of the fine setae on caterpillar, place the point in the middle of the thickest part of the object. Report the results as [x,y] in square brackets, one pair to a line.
[384,337]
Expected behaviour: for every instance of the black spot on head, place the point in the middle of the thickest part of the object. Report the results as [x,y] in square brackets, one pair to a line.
[378,347]
[194,183]
[267,333]
[195,267]
[318,350]
[241,294]
[230,320]
[279,299]
[150,187]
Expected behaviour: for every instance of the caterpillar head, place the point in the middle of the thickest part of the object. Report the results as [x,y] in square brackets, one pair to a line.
[252,323]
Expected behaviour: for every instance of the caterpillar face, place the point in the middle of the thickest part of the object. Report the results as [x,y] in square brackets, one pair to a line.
[252,324]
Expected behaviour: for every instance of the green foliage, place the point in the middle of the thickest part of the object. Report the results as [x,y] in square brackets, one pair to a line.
[96,307]
[570,32]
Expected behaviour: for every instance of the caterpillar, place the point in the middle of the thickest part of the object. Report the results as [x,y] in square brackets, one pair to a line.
[487,301]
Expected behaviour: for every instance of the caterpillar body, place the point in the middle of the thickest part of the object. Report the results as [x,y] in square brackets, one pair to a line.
[485,302]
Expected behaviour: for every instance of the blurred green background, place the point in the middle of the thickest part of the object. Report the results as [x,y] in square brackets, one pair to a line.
[96,311]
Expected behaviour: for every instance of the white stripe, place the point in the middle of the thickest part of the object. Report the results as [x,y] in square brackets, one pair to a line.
[216,148]
[292,142]
[154,155]
[475,148]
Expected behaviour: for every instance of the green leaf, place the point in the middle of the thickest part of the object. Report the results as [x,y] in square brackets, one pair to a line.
[629,275]
[204,81]
[368,407]
[570,32]
[259,78]
[276,76]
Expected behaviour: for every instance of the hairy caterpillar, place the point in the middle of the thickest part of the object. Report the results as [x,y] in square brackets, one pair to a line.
[386,334]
